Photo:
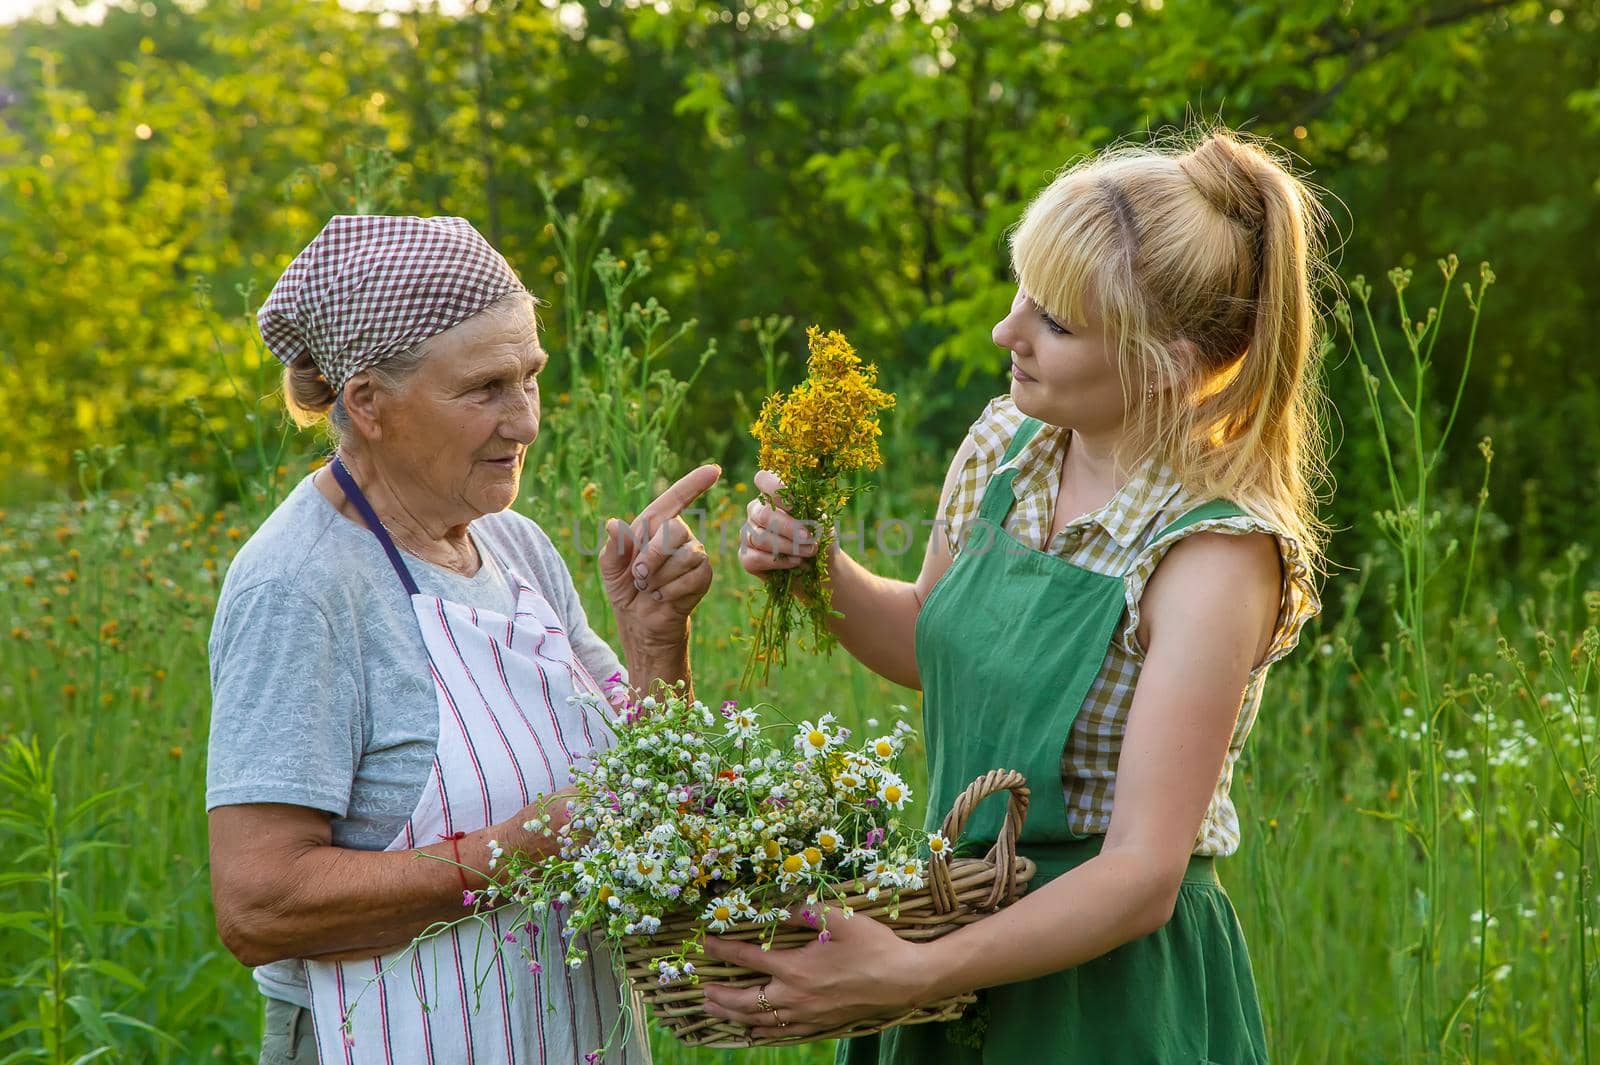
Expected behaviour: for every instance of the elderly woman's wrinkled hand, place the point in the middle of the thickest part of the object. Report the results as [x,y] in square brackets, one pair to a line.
[656,570]
[535,829]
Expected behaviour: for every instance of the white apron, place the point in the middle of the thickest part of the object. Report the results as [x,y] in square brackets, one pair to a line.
[507,734]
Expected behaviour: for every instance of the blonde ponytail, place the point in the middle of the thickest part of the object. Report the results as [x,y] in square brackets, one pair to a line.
[1203,256]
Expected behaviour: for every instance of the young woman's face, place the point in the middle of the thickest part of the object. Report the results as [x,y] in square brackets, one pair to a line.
[1063,373]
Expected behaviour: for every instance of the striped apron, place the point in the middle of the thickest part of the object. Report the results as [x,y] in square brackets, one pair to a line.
[508,733]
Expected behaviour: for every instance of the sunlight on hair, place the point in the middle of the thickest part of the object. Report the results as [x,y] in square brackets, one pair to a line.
[1200,253]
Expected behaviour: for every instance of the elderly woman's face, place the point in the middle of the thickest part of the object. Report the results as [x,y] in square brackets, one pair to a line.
[460,426]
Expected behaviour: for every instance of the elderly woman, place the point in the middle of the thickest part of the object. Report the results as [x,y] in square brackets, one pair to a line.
[394,663]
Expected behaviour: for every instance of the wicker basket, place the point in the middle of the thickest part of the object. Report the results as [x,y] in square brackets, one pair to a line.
[959,891]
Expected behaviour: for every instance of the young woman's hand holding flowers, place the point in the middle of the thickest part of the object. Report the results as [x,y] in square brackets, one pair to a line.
[772,538]
[814,442]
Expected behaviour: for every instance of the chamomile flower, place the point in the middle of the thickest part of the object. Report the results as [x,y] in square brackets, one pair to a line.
[848,780]
[884,747]
[820,738]
[743,726]
[727,910]
[829,839]
[646,868]
[911,872]
[892,791]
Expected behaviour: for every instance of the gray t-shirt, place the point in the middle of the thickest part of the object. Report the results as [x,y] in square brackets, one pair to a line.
[321,694]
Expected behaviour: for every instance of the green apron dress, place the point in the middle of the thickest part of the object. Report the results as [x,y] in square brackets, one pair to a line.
[1008,645]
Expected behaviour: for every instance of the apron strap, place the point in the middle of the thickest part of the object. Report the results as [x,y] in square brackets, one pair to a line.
[997,497]
[1210,511]
[352,492]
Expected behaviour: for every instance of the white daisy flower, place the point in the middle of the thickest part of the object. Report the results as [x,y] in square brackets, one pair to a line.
[892,791]
[911,872]
[938,846]
[727,910]
[647,868]
[884,747]
[849,780]
[820,738]
[742,725]
[829,839]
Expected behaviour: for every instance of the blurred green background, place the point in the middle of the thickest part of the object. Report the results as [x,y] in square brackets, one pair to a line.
[853,164]
[1419,798]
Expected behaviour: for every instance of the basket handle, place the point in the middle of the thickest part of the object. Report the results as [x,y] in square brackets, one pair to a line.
[1004,852]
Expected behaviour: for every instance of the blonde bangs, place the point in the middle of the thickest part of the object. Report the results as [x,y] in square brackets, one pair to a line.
[1197,256]
[1064,247]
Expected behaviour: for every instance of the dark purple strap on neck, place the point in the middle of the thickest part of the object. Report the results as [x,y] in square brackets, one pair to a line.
[352,492]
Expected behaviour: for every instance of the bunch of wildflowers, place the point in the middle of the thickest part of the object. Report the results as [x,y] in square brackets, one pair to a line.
[717,816]
[816,439]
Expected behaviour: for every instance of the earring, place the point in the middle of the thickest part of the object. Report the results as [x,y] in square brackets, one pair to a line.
[1150,392]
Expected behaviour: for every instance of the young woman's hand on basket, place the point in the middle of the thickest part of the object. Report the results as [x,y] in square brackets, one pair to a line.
[863,971]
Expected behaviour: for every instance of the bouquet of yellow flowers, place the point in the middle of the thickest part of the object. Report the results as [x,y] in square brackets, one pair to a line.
[816,439]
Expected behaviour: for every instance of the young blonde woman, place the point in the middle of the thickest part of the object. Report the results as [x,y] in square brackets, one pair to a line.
[1129,542]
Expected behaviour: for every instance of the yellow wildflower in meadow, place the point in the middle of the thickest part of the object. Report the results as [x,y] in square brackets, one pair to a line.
[816,439]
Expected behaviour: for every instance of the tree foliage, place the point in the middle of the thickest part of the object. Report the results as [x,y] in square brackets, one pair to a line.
[853,164]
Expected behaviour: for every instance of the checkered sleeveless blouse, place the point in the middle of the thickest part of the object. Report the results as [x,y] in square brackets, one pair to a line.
[1120,537]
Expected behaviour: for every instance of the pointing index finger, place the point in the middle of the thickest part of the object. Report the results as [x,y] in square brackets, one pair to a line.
[675,500]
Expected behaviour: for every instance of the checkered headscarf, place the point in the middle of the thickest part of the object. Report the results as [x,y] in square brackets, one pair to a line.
[370,287]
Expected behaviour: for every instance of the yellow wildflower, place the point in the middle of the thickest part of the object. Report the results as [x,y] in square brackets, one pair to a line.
[829,421]
[814,438]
